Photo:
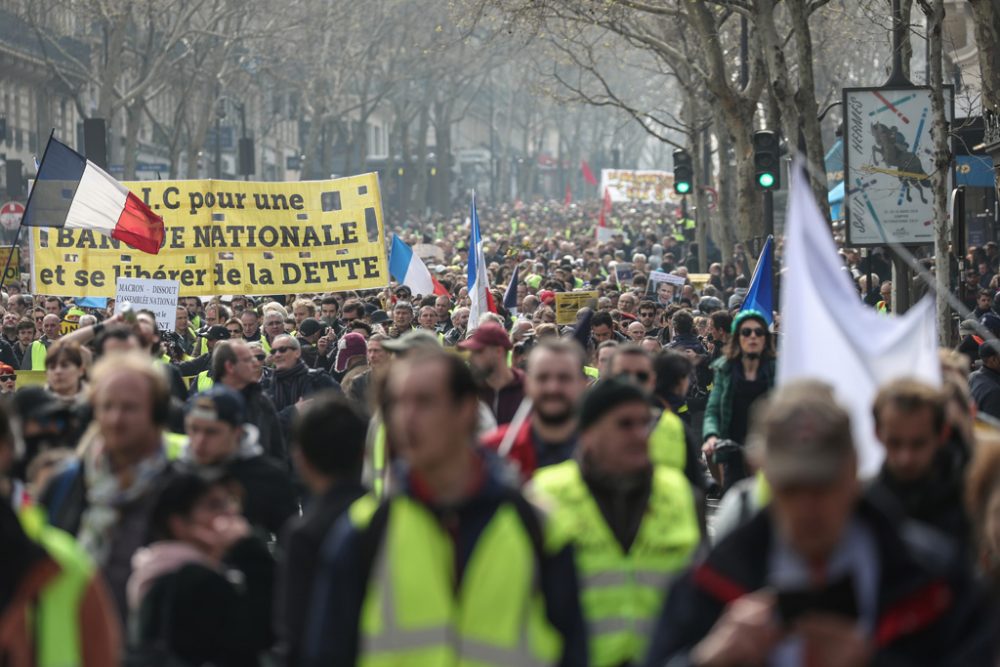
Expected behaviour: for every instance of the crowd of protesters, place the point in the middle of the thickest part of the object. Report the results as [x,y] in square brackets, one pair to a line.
[372,478]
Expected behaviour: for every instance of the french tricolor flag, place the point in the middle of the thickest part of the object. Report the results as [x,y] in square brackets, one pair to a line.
[71,191]
[480,299]
[410,270]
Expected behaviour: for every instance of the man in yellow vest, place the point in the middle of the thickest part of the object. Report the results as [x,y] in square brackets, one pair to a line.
[454,568]
[633,525]
[34,357]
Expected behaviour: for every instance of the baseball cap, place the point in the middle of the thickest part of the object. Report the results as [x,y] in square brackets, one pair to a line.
[967,328]
[310,327]
[411,340]
[487,335]
[802,435]
[351,345]
[220,403]
[547,296]
[379,317]
[215,332]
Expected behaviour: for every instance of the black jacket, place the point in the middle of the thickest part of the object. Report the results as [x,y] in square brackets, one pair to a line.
[261,413]
[929,611]
[937,500]
[301,542]
[985,387]
[269,498]
[208,619]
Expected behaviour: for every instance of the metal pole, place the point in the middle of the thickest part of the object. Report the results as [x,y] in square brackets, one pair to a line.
[242,108]
[768,213]
[218,146]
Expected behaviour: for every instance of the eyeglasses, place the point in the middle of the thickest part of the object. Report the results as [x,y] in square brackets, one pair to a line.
[747,332]
[7,378]
[281,350]
[260,357]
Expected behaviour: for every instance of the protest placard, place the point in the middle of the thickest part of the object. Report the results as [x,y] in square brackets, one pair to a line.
[663,287]
[157,296]
[231,237]
[624,271]
[568,303]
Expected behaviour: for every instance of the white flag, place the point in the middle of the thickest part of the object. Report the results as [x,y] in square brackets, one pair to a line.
[828,334]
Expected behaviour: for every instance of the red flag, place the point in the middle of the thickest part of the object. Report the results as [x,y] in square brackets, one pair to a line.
[605,209]
[603,233]
[569,196]
[588,175]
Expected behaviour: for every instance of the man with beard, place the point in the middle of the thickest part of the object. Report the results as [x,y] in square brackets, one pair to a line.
[500,386]
[554,383]
[924,468]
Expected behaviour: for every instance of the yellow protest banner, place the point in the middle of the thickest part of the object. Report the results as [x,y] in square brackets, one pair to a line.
[231,237]
[568,303]
[14,268]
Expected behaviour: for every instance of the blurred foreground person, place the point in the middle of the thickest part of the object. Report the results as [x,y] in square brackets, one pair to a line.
[454,568]
[633,526]
[823,576]
[186,608]
[104,497]
[331,470]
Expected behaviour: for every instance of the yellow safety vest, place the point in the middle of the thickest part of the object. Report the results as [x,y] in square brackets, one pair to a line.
[379,460]
[204,382]
[413,616]
[175,444]
[667,444]
[591,372]
[55,623]
[38,354]
[621,593]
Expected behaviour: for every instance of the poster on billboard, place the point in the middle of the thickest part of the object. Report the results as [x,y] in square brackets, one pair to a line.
[888,159]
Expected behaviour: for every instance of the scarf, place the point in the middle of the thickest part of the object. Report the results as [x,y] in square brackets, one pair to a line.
[157,560]
[108,493]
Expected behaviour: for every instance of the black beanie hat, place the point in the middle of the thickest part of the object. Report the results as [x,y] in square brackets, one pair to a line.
[605,396]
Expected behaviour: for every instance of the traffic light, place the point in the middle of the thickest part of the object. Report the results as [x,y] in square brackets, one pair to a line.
[682,172]
[766,160]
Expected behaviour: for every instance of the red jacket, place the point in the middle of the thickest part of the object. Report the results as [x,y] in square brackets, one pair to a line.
[522,453]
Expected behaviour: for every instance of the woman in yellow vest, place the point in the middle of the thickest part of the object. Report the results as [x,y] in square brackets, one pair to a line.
[633,526]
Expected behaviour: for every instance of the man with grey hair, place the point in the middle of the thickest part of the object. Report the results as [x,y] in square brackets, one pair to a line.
[822,571]
[293,382]
[460,322]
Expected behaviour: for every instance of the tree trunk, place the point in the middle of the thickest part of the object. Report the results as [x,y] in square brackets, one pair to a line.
[133,116]
[987,14]
[722,229]
[939,177]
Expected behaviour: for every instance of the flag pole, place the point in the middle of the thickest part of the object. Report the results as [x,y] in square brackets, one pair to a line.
[27,204]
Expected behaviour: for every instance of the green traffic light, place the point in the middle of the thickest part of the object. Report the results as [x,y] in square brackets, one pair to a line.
[765,180]
[682,188]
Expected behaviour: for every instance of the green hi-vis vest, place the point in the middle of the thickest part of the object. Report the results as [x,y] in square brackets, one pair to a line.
[203,383]
[667,444]
[591,372]
[55,623]
[413,616]
[379,460]
[621,593]
[174,444]
[38,354]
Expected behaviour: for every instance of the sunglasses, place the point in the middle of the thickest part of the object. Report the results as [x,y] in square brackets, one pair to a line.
[260,357]
[281,350]
[7,378]
[747,332]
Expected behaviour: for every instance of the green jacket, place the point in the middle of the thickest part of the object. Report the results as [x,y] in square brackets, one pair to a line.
[719,411]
